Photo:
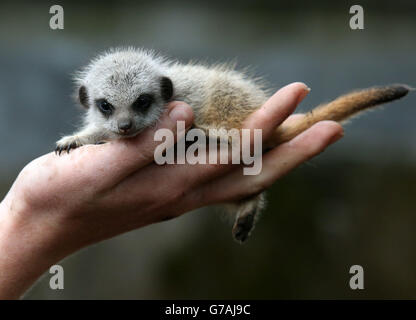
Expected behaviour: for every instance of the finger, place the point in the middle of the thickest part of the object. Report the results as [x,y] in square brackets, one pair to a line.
[276,163]
[113,161]
[277,108]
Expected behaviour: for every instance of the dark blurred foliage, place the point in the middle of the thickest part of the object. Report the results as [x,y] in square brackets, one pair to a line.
[354,204]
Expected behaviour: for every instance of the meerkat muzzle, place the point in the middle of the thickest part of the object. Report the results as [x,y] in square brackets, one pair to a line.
[124,127]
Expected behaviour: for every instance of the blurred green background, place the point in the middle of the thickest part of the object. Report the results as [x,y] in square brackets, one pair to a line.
[354,204]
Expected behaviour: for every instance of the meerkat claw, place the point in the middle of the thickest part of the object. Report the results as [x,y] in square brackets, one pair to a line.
[66,147]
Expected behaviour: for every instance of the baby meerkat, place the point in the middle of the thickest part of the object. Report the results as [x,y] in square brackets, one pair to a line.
[126,90]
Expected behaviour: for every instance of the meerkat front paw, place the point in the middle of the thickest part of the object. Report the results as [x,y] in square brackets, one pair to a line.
[67,143]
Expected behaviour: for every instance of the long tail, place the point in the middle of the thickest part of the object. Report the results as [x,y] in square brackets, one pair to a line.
[340,109]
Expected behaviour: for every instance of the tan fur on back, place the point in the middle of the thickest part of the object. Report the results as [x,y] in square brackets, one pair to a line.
[225,97]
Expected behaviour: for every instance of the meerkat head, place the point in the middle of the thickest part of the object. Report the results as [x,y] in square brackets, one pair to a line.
[124,91]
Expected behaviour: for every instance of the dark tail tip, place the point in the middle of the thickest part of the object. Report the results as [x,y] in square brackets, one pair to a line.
[391,92]
[398,91]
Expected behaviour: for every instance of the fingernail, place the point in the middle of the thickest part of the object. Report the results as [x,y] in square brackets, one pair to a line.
[178,113]
[336,137]
[303,95]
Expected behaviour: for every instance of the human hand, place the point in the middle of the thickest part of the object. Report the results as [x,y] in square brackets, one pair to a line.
[58,205]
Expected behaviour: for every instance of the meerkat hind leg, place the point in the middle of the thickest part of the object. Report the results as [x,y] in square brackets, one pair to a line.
[248,211]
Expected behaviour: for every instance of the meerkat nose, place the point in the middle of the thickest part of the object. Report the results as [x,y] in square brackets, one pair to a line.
[124,126]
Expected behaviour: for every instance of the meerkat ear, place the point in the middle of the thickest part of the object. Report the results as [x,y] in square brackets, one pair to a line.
[83,96]
[166,87]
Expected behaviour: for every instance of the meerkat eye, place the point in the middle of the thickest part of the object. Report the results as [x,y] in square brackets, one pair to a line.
[143,102]
[104,106]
